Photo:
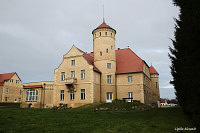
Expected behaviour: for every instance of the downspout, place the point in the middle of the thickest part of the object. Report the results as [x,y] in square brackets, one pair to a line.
[100,89]
[44,95]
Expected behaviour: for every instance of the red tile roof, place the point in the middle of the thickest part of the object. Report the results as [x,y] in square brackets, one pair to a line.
[90,60]
[32,86]
[104,25]
[153,70]
[127,61]
[5,76]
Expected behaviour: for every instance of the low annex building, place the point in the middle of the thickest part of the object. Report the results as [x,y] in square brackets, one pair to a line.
[103,75]
[10,88]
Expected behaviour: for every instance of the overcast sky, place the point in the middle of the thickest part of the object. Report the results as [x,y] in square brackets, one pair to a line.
[35,34]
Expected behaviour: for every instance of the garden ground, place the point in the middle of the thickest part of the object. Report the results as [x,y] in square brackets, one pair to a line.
[92,119]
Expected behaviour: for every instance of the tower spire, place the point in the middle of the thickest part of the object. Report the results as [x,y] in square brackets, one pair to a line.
[103,14]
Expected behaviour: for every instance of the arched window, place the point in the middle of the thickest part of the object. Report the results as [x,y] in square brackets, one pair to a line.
[100,53]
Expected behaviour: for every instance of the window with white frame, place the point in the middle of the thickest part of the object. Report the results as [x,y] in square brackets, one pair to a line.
[130,79]
[32,95]
[62,76]
[62,95]
[130,95]
[6,90]
[72,74]
[82,74]
[82,94]
[72,95]
[73,62]
[109,65]
[109,79]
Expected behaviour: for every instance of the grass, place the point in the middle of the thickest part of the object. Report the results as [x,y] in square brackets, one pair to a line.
[86,120]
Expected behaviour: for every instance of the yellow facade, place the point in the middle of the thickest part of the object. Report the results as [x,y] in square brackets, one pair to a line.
[77,81]
[11,90]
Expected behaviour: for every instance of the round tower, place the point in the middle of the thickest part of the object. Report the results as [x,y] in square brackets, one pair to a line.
[104,58]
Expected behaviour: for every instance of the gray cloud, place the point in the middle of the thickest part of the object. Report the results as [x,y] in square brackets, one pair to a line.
[34,35]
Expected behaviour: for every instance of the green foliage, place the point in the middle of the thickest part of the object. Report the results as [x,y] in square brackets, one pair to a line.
[185,57]
[86,120]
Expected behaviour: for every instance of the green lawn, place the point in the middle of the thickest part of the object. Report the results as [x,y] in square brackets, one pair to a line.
[85,120]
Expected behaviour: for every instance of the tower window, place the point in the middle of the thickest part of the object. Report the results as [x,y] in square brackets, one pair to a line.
[111,34]
[100,33]
[100,53]
[106,33]
[107,50]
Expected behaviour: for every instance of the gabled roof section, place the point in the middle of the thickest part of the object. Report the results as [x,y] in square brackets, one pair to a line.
[90,60]
[127,61]
[6,76]
[153,70]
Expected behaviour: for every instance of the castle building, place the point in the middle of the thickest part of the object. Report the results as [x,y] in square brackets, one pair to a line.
[10,88]
[103,75]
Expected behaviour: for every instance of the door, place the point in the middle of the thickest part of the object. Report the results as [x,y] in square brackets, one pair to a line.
[108,97]
[130,95]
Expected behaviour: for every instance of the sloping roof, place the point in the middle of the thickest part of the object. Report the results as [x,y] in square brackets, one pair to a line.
[104,25]
[32,86]
[127,61]
[6,76]
[90,60]
[153,70]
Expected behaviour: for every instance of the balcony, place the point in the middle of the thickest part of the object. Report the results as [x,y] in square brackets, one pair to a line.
[69,81]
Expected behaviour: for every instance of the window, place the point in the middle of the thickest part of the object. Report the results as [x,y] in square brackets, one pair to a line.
[72,74]
[111,34]
[100,33]
[62,76]
[6,90]
[19,99]
[109,65]
[11,80]
[111,47]
[32,95]
[73,62]
[6,99]
[156,84]
[109,80]
[130,95]
[130,78]
[82,74]
[17,81]
[107,50]
[62,95]
[20,92]
[71,95]
[100,53]
[106,33]
[82,94]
